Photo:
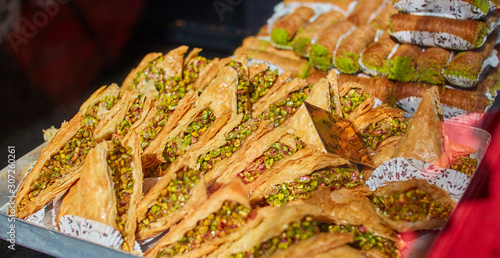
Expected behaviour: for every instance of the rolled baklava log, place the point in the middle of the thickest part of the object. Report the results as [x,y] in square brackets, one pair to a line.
[381,88]
[344,5]
[430,65]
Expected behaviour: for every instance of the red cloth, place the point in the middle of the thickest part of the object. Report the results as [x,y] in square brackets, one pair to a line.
[474,229]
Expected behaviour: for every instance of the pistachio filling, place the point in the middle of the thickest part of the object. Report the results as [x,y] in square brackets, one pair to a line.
[306,228]
[120,162]
[132,116]
[181,143]
[275,153]
[412,205]
[303,187]
[261,83]
[364,239]
[164,109]
[321,57]
[234,139]
[464,164]
[150,72]
[219,224]
[243,90]
[352,100]
[279,111]
[107,103]
[377,132]
[173,197]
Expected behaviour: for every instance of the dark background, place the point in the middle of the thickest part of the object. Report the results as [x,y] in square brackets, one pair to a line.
[56,53]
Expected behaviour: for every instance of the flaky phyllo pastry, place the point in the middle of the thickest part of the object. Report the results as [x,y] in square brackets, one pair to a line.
[301,177]
[172,76]
[60,163]
[273,147]
[208,115]
[412,205]
[285,28]
[379,124]
[282,101]
[290,231]
[322,223]
[427,140]
[223,218]
[109,188]
[423,140]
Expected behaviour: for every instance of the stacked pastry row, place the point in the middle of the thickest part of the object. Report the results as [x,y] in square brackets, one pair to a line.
[373,38]
[458,40]
[243,172]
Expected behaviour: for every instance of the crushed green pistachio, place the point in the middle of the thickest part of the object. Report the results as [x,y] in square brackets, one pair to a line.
[173,197]
[347,62]
[321,57]
[308,227]
[352,100]
[170,92]
[275,153]
[412,205]
[280,36]
[71,154]
[150,72]
[364,239]
[120,162]
[464,164]
[261,83]
[243,90]
[219,224]
[181,143]
[133,115]
[377,132]
[303,187]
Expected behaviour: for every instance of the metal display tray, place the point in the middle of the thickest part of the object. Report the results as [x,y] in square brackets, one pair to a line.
[55,243]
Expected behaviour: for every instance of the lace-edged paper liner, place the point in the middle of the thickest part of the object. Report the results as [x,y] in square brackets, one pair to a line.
[454,9]
[403,169]
[465,82]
